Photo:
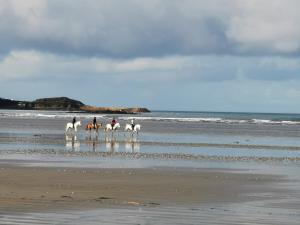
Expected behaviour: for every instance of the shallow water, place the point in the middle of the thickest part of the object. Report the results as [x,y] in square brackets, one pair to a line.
[156,137]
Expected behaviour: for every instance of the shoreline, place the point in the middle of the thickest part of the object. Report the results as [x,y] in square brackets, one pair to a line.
[35,189]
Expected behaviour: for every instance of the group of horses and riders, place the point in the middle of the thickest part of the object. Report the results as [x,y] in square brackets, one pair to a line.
[114,125]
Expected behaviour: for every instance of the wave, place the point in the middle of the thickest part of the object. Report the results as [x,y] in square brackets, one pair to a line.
[214,120]
[47,115]
[181,118]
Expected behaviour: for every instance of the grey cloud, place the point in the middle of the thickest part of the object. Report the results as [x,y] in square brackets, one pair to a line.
[133,28]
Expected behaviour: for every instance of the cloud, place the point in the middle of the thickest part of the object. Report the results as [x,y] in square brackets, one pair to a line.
[155,28]
[266,27]
[19,65]
[226,54]
[176,82]
[33,65]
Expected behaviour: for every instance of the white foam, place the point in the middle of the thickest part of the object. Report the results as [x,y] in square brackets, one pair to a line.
[177,119]
[31,114]
[45,115]
[213,120]
[261,121]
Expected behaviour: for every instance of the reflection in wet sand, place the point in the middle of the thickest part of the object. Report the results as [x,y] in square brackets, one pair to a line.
[72,142]
[111,144]
[132,145]
[92,141]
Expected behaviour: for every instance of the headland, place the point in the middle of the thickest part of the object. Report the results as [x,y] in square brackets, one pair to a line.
[65,104]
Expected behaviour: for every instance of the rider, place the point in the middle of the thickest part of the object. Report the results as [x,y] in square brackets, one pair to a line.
[113,123]
[95,123]
[132,123]
[74,121]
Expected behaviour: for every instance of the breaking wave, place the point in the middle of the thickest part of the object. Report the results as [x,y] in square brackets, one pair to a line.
[45,114]
[215,120]
[225,118]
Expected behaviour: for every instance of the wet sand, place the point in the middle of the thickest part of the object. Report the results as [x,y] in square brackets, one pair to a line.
[24,189]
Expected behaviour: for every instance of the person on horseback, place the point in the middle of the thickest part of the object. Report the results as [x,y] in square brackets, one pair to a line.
[95,123]
[132,123]
[113,123]
[74,121]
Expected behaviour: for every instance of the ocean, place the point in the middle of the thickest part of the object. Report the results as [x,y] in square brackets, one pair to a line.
[176,116]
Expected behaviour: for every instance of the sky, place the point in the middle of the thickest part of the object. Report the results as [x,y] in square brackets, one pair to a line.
[194,55]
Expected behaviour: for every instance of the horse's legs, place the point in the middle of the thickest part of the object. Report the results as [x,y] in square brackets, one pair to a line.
[112,134]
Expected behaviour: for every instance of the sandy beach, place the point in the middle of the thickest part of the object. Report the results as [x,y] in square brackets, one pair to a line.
[36,189]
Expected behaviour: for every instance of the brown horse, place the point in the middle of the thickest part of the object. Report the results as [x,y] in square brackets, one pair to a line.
[90,126]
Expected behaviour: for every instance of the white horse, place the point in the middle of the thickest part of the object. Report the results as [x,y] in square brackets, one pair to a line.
[70,126]
[109,127]
[137,127]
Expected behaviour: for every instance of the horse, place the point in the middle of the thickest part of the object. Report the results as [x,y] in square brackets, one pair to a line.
[109,127]
[70,126]
[90,126]
[137,128]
